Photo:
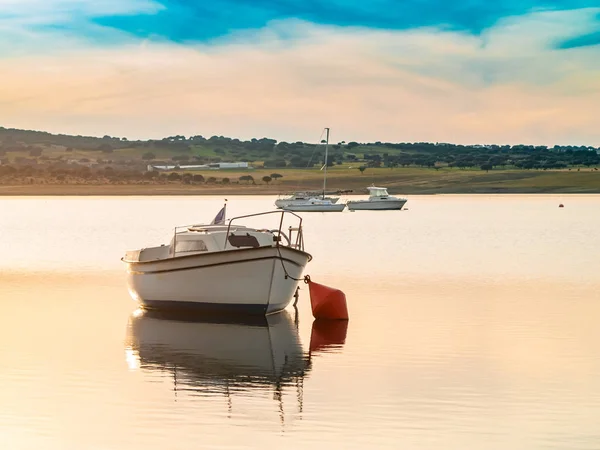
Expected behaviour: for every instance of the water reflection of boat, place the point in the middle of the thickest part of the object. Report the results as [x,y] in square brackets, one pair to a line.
[216,354]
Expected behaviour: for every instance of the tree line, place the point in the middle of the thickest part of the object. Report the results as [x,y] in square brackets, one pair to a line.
[269,153]
[58,175]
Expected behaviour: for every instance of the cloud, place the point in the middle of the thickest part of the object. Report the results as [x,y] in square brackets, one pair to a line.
[518,50]
[291,78]
[33,26]
[586,40]
[185,20]
[48,10]
[54,26]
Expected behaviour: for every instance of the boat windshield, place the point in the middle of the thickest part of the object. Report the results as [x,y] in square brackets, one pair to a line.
[378,192]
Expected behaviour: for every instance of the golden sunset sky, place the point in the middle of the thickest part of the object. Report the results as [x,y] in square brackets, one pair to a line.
[467,72]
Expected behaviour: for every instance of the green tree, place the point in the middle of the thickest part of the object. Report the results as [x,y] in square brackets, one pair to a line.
[298,161]
[198,178]
[267,179]
[487,167]
[225,180]
[105,148]
[275,176]
[148,156]
[174,176]
[275,163]
[362,169]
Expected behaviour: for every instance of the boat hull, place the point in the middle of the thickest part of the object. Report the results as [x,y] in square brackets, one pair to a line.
[282,203]
[376,205]
[315,208]
[246,281]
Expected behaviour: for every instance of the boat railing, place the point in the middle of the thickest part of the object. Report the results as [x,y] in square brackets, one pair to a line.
[299,242]
[296,242]
[318,192]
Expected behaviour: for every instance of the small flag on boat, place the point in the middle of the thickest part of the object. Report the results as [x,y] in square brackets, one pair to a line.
[220,217]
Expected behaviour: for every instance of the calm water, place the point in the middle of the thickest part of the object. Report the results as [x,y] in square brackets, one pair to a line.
[474,323]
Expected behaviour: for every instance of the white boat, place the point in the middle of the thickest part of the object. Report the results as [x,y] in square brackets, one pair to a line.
[300,197]
[215,354]
[221,268]
[379,199]
[317,203]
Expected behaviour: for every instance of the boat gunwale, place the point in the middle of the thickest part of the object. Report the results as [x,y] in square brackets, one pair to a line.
[388,200]
[315,209]
[224,263]
[178,258]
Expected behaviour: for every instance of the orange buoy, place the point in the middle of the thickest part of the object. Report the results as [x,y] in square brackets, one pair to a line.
[327,334]
[326,302]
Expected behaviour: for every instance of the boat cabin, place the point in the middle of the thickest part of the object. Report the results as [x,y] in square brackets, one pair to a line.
[211,238]
[215,238]
[379,192]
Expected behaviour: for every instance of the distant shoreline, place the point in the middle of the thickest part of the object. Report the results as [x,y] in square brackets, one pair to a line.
[42,164]
[400,181]
[175,190]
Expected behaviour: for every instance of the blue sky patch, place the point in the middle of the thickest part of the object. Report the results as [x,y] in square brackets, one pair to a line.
[197,21]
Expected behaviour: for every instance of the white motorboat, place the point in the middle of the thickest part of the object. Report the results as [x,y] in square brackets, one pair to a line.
[379,199]
[218,353]
[221,268]
[300,197]
[317,203]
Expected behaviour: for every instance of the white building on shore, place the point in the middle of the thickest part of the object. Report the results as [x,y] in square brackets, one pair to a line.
[211,166]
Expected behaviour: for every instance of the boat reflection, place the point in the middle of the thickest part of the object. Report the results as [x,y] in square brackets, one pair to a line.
[226,356]
[216,354]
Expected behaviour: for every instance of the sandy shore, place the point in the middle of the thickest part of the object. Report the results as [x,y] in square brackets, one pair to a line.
[410,181]
[133,189]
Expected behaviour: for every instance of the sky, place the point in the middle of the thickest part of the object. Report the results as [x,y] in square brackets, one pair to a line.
[467,71]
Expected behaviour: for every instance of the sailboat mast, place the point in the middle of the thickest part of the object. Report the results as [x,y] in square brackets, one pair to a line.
[326,149]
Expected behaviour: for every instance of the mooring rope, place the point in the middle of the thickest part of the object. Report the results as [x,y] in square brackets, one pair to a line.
[306,278]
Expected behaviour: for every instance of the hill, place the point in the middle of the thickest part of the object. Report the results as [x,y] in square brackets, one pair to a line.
[40,158]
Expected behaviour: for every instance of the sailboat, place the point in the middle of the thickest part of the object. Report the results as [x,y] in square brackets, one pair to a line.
[316,203]
[299,197]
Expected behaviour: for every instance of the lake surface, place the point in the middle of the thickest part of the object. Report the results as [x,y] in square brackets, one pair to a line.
[474,323]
